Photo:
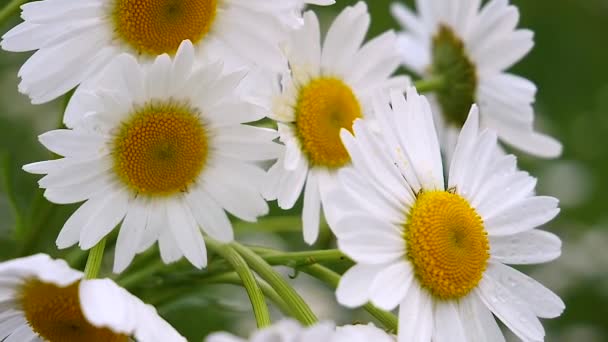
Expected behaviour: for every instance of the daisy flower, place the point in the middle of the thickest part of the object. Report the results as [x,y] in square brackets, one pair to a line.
[329,86]
[162,149]
[45,300]
[436,247]
[75,40]
[289,330]
[470,48]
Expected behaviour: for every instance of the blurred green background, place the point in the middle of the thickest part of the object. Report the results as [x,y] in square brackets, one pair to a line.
[569,65]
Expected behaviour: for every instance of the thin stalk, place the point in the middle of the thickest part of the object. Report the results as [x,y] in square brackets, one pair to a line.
[91,270]
[301,310]
[430,84]
[234,279]
[258,302]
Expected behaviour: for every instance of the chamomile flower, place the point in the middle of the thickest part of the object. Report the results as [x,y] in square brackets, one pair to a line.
[75,40]
[162,149]
[470,48]
[42,299]
[328,88]
[288,331]
[436,247]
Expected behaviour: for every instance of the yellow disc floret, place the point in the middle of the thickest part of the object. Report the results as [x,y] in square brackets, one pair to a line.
[154,27]
[54,313]
[161,149]
[324,107]
[447,244]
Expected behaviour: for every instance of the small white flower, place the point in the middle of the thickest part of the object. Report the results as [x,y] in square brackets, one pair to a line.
[76,40]
[289,331]
[438,248]
[329,87]
[162,149]
[44,299]
[471,47]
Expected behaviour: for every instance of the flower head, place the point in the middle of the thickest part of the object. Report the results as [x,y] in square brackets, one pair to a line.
[437,247]
[45,299]
[329,86]
[468,49]
[82,37]
[162,149]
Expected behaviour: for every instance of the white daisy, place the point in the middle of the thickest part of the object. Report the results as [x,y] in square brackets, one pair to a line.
[329,87]
[75,40]
[163,149]
[438,248]
[289,330]
[470,48]
[42,299]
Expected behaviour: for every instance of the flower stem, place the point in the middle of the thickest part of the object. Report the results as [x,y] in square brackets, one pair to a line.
[10,9]
[258,302]
[94,261]
[430,84]
[233,278]
[301,310]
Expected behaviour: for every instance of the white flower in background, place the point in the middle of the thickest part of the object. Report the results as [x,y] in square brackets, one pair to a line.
[76,40]
[42,299]
[162,149]
[438,248]
[470,48]
[328,88]
[291,331]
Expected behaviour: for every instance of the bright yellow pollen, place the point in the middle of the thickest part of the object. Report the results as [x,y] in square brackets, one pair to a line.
[161,149]
[54,313]
[447,244]
[154,27]
[324,107]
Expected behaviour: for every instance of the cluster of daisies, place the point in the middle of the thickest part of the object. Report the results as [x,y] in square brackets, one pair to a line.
[186,112]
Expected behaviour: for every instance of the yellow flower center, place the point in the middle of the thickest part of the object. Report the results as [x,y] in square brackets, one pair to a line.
[154,27]
[324,107]
[161,149]
[54,313]
[447,244]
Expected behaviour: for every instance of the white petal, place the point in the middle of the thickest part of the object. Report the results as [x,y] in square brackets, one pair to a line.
[391,285]
[105,218]
[448,325]
[525,215]
[312,209]
[530,247]
[186,233]
[510,309]
[478,322]
[540,300]
[355,285]
[130,234]
[416,316]
[210,216]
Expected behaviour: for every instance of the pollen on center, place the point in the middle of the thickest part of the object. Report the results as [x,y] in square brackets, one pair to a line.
[154,27]
[447,244]
[161,149]
[54,314]
[325,106]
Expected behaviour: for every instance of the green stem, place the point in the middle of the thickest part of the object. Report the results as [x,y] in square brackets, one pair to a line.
[332,278]
[91,270]
[430,84]
[260,309]
[300,309]
[234,279]
[10,9]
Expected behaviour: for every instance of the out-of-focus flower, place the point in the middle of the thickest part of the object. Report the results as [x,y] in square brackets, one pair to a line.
[45,300]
